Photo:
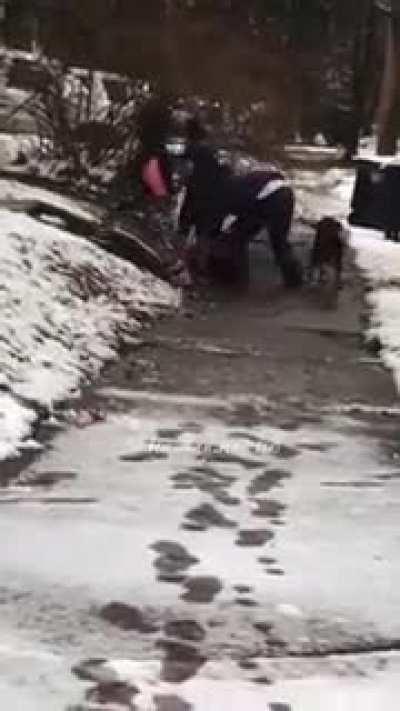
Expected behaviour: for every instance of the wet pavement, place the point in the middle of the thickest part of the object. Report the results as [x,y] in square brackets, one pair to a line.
[227,537]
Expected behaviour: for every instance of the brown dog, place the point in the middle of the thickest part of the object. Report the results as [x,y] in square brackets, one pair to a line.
[328,251]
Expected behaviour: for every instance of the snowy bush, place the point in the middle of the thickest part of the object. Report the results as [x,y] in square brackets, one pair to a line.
[86,120]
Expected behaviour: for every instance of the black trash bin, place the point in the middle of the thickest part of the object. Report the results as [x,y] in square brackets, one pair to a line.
[376,198]
[391,201]
[367,201]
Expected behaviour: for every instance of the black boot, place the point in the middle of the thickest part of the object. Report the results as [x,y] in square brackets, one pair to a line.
[292,274]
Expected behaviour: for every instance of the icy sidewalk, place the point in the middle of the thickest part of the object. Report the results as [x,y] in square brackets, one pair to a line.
[65,306]
[181,563]
[227,537]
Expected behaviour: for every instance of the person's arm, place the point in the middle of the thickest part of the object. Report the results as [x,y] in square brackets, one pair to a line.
[186,215]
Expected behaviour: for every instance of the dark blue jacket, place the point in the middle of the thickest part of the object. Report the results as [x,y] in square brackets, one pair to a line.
[214,191]
[205,191]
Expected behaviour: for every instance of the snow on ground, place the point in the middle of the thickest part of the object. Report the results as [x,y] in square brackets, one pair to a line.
[106,551]
[211,691]
[329,193]
[380,261]
[64,305]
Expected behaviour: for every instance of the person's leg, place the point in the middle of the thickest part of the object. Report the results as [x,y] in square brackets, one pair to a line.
[241,262]
[245,227]
[277,211]
[203,253]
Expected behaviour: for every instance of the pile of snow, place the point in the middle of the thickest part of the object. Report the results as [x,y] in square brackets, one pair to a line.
[65,305]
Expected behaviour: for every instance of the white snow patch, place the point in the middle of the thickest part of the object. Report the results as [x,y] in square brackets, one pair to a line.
[329,694]
[64,305]
[220,687]
[380,261]
[329,193]
[15,423]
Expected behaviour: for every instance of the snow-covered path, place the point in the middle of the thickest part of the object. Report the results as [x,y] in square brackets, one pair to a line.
[259,562]
[227,537]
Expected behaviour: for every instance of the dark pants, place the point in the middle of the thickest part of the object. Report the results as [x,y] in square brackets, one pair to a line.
[275,213]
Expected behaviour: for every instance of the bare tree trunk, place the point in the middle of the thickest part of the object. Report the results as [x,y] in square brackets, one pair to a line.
[361,69]
[388,110]
[172,64]
[3,11]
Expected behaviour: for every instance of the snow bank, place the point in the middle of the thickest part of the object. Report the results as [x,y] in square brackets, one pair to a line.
[329,193]
[64,306]
[380,261]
